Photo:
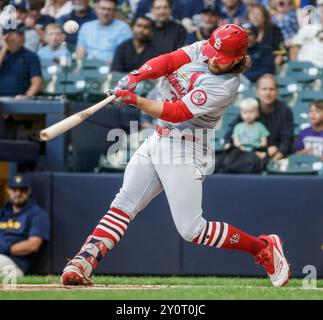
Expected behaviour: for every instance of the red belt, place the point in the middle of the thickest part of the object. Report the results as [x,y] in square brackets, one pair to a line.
[165,132]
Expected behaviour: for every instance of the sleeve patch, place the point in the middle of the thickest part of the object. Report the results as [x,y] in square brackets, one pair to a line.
[198,97]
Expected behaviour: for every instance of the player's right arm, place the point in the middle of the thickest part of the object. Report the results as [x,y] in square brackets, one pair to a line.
[155,68]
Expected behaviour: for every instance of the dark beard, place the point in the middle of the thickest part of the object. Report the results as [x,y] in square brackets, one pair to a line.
[144,40]
[20,205]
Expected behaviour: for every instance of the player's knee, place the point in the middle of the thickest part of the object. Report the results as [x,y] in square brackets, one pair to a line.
[188,233]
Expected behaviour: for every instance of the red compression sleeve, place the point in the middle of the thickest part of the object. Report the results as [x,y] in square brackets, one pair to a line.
[164,64]
[176,112]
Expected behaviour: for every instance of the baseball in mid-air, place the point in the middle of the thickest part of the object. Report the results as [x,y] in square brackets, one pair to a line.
[71,26]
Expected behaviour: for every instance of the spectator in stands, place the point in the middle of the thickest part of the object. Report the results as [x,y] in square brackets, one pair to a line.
[32,38]
[250,135]
[285,18]
[55,48]
[274,115]
[133,53]
[268,33]
[81,13]
[3,3]
[262,59]
[57,8]
[191,8]
[210,18]
[144,7]
[169,35]
[37,21]
[99,39]
[20,72]
[21,6]
[307,45]
[310,140]
[232,11]
[24,228]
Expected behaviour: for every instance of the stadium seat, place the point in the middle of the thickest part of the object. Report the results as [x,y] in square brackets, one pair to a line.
[287,85]
[249,93]
[296,164]
[300,122]
[92,64]
[227,119]
[303,79]
[301,66]
[48,71]
[106,166]
[303,72]
[232,110]
[69,84]
[100,73]
[307,96]
[300,108]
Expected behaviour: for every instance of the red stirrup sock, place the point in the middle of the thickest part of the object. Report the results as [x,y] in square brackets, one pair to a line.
[105,236]
[223,235]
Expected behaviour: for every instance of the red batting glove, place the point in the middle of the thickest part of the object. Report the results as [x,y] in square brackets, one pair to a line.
[126,97]
[129,82]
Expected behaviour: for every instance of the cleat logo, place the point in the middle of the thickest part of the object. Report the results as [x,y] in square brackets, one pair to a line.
[235,238]
[279,266]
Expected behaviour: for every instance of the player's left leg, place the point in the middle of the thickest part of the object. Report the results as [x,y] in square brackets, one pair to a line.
[183,187]
[140,185]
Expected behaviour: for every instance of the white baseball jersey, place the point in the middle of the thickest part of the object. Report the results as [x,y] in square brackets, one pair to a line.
[206,95]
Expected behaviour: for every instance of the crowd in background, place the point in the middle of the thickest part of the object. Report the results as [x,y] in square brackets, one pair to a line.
[126,33]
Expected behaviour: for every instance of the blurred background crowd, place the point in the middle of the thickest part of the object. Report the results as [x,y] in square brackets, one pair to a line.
[283,84]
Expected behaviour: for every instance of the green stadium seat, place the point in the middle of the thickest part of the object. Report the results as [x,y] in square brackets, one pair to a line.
[232,110]
[227,119]
[49,69]
[249,93]
[302,78]
[105,166]
[296,164]
[300,66]
[287,85]
[300,121]
[92,64]
[303,72]
[307,96]
[300,108]
[71,85]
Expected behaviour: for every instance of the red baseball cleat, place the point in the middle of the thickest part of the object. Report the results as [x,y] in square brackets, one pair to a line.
[273,260]
[74,274]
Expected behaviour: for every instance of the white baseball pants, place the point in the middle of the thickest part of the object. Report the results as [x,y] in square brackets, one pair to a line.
[176,166]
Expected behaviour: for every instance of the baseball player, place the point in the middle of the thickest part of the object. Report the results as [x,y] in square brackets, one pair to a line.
[200,82]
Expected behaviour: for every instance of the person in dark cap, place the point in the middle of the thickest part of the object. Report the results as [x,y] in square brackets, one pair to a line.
[22,6]
[210,18]
[24,227]
[262,58]
[20,71]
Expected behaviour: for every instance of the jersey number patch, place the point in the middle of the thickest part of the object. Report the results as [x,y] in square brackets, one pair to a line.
[198,97]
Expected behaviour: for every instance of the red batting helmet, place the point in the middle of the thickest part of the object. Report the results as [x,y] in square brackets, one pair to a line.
[226,43]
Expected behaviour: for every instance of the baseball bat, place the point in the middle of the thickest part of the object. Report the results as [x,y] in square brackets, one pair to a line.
[73,120]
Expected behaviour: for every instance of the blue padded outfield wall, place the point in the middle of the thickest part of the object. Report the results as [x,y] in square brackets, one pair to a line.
[290,206]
